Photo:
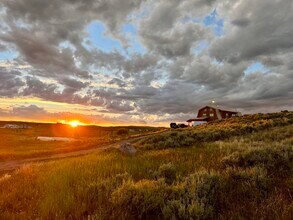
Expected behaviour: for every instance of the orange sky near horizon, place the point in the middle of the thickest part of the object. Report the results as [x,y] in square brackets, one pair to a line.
[17,109]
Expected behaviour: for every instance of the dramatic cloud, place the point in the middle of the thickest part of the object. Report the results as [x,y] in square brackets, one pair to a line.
[10,83]
[144,61]
[173,43]
[28,111]
[167,30]
[36,113]
[257,28]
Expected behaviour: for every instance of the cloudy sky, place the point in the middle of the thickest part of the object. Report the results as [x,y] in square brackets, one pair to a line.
[150,62]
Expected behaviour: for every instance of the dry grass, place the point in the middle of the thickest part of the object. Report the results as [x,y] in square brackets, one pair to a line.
[22,143]
[201,181]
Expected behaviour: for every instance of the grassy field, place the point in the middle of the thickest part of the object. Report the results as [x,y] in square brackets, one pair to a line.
[240,168]
[22,143]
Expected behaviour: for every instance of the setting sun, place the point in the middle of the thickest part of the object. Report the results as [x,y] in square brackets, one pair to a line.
[74,124]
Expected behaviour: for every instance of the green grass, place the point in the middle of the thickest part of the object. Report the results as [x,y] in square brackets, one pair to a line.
[242,175]
[22,143]
[217,130]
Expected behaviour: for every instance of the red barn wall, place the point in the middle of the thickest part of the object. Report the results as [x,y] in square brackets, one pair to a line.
[208,112]
[211,113]
[227,114]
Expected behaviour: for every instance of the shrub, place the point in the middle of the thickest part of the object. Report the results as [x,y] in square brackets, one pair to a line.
[138,200]
[196,199]
[254,179]
[244,187]
[168,172]
[193,198]
[121,178]
[176,209]
[274,160]
[202,186]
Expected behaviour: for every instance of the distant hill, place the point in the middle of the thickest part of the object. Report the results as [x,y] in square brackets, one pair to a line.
[58,129]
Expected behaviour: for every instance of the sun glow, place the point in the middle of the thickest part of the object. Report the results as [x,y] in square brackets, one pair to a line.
[74,124]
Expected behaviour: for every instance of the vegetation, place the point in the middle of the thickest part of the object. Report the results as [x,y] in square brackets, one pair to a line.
[23,143]
[244,173]
[217,130]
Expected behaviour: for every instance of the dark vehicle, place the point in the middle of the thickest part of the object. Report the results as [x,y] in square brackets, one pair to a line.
[173,125]
[182,125]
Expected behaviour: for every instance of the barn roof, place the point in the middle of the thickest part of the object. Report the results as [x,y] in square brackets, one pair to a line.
[221,108]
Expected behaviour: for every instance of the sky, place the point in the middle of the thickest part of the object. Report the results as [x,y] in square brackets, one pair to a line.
[143,62]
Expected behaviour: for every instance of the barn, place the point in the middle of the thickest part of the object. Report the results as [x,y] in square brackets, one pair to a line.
[210,113]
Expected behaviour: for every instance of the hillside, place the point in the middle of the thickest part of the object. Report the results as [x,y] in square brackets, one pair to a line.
[22,143]
[239,168]
[217,130]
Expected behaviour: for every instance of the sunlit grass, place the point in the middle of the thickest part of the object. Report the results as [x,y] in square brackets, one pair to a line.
[199,181]
[23,143]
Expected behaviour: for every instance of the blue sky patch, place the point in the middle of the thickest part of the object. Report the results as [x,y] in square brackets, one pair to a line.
[217,23]
[99,39]
[8,55]
[129,28]
[131,32]
[256,67]
[202,45]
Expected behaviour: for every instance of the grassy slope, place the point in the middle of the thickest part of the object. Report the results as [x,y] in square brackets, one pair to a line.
[22,143]
[244,172]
